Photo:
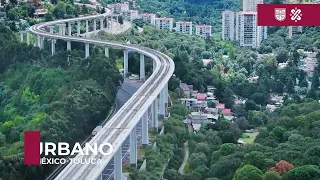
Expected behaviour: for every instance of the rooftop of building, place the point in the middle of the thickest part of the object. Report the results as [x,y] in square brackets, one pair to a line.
[164,18]
[184,87]
[226,111]
[220,106]
[227,11]
[201,96]
[184,22]
[188,99]
[248,12]
[130,10]
[119,4]
[147,14]
[203,25]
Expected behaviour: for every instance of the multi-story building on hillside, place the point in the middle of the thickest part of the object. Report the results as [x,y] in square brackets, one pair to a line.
[228,25]
[149,18]
[250,5]
[204,30]
[250,35]
[184,27]
[294,30]
[130,15]
[119,7]
[164,23]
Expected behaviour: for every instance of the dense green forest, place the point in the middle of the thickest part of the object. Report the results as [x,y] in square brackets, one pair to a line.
[197,11]
[64,96]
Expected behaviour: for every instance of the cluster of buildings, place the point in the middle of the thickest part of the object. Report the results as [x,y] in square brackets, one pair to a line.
[161,23]
[242,26]
[201,105]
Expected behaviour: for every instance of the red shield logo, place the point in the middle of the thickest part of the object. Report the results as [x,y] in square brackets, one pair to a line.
[280,14]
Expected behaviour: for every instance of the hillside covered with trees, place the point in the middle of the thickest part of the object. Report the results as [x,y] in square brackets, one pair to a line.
[64,96]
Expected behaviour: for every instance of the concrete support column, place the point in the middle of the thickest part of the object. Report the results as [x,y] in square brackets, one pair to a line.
[142,68]
[87,49]
[60,30]
[145,135]
[21,36]
[68,45]
[39,41]
[133,148]
[106,51]
[155,115]
[63,29]
[101,23]
[162,104]
[87,27]
[53,46]
[94,26]
[35,41]
[69,28]
[111,22]
[28,38]
[166,100]
[118,165]
[51,29]
[125,63]
[107,22]
[42,43]
[78,27]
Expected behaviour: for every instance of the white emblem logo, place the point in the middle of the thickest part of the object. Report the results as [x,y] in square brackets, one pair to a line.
[296,14]
[280,14]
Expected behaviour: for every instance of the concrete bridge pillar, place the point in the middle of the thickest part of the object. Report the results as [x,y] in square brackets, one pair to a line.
[162,104]
[68,45]
[87,49]
[94,26]
[118,165]
[78,27]
[142,68]
[145,135]
[101,23]
[51,29]
[39,41]
[87,28]
[42,42]
[70,28]
[35,41]
[107,22]
[53,46]
[166,99]
[28,38]
[111,22]
[21,36]
[106,51]
[125,63]
[155,115]
[63,29]
[60,29]
[133,148]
